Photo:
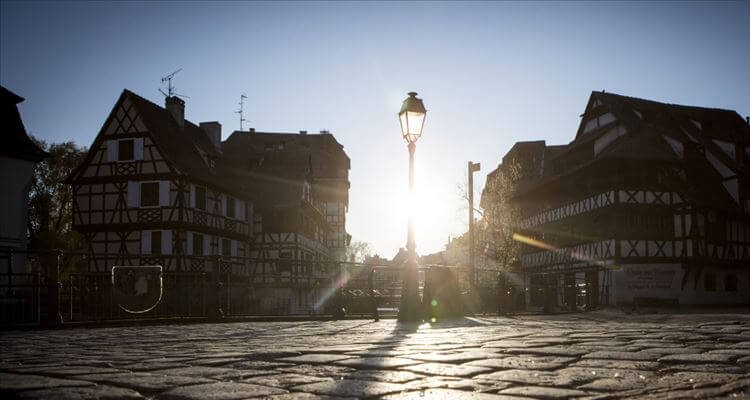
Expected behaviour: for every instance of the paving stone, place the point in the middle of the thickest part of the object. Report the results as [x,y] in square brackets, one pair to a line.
[303,396]
[448,394]
[574,376]
[81,393]
[697,358]
[376,362]
[151,366]
[452,357]
[315,358]
[26,382]
[333,371]
[614,384]
[444,369]
[550,351]
[524,362]
[351,388]
[219,391]
[521,376]
[393,376]
[623,355]
[541,392]
[144,381]
[711,368]
[694,379]
[285,380]
[211,372]
[615,364]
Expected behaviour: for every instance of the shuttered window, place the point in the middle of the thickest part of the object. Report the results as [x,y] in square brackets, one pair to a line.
[126,150]
[150,194]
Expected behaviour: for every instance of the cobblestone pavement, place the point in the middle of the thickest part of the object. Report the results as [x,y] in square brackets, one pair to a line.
[603,354]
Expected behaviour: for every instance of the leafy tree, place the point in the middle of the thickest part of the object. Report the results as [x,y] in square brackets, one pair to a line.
[50,207]
[358,251]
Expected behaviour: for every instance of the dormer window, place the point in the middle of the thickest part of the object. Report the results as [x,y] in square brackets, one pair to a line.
[126,150]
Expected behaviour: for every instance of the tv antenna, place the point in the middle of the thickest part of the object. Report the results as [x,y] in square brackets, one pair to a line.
[170,89]
[241,111]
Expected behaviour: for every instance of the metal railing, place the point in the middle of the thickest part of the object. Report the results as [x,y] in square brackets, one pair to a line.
[52,288]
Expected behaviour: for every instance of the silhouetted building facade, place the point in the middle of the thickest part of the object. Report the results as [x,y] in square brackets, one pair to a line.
[18,157]
[649,203]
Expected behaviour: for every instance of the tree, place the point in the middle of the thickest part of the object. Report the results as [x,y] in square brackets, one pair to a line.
[50,207]
[358,251]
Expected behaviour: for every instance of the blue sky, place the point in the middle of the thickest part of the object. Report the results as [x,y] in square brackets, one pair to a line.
[490,74]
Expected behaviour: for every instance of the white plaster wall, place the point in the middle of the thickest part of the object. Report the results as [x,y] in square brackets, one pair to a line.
[15,178]
[664,281]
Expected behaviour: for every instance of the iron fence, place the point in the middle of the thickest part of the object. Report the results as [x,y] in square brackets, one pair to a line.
[55,287]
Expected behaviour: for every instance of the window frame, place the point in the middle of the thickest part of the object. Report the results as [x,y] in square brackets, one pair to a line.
[199,199]
[119,150]
[156,250]
[158,194]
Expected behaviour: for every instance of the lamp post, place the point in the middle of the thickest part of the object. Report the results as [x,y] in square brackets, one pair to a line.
[411,117]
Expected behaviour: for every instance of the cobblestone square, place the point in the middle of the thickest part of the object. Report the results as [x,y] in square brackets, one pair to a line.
[603,354]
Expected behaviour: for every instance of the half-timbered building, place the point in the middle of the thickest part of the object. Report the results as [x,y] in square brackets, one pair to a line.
[154,189]
[301,199]
[650,202]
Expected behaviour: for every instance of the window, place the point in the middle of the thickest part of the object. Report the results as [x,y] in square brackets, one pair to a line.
[126,150]
[709,283]
[226,247]
[198,244]
[155,242]
[730,282]
[200,197]
[230,207]
[149,194]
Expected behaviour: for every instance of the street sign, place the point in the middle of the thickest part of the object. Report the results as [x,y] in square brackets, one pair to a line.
[137,289]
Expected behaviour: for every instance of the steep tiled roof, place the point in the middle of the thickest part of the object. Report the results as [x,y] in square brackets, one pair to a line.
[14,141]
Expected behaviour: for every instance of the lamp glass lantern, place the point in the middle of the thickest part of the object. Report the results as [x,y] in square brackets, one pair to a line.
[412,116]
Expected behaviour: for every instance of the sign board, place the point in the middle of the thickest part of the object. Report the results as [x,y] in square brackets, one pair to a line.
[137,289]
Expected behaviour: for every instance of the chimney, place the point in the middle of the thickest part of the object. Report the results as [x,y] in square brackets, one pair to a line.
[213,131]
[176,107]
[303,132]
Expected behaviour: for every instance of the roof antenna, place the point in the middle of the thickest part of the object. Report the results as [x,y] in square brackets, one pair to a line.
[170,89]
[241,111]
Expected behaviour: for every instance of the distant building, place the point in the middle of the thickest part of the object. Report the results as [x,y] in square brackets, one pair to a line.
[649,203]
[18,157]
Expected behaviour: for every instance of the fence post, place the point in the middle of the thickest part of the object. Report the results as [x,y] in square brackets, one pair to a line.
[54,317]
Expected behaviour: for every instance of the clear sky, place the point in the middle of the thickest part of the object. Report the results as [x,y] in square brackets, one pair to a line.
[490,74]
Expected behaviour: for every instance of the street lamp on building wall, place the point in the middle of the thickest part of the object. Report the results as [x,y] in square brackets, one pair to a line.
[411,117]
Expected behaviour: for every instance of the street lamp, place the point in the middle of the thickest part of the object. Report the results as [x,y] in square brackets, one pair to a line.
[411,117]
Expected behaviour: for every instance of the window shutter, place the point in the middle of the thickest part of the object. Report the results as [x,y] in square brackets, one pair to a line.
[166,242]
[164,193]
[221,246]
[189,249]
[111,150]
[145,242]
[138,149]
[134,194]
[234,248]
[192,196]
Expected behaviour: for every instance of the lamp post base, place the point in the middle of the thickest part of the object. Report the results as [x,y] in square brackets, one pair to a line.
[411,305]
